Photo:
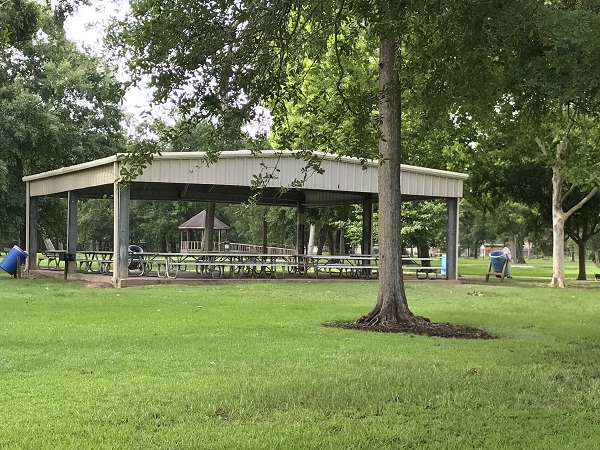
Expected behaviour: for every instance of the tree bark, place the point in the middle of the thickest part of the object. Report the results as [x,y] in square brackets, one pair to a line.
[311,239]
[558,227]
[581,260]
[423,252]
[265,232]
[392,305]
[322,240]
[519,244]
[209,228]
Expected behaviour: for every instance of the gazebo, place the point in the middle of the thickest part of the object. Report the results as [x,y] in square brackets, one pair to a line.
[197,225]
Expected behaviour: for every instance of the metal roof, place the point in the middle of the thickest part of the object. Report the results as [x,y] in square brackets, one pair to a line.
[286,181]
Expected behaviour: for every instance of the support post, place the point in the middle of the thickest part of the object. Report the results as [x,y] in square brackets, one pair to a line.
[31,230]
[301,228]
[452,238]
[122,203]
[70,261]
[366,245]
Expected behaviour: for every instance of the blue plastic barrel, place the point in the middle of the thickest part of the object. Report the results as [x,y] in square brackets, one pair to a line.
[443,271]
[9,263]
[497,258]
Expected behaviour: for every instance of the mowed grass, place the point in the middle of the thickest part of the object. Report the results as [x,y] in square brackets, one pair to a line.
[251,366]
[533,268]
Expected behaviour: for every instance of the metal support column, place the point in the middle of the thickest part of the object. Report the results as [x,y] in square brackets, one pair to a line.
[452,238]
[122,204]
[301,228]
[31,230]
[70,260]
[367,227]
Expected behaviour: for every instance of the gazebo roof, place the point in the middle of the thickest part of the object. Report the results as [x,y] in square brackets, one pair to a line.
[198,222]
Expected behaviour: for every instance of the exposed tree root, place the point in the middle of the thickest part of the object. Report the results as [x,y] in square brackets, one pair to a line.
[417,326]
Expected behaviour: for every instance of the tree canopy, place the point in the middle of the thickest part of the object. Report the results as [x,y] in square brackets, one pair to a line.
[58,105]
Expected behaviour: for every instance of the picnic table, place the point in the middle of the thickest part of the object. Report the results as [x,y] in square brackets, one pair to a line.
[50,259]
[95,261]
[350,266]
[213,265]
[238,264]
[420,266]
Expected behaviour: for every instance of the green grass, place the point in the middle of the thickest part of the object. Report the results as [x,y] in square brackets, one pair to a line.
[533,268]
[250,366]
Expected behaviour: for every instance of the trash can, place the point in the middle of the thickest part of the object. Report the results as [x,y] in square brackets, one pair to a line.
[134,260]
[9,263]
[443,271]
[497,258]
[135,249]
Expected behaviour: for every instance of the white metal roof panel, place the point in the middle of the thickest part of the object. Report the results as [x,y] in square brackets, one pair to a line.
[282,169]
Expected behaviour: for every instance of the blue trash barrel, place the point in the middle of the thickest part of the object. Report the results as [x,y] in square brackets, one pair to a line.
[9,263]
[497,258]
[443,271]
[136,249]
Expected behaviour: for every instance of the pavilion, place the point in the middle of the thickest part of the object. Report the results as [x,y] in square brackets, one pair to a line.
[233,179]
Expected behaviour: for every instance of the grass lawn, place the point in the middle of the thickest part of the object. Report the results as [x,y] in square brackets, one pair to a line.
[533,268]
[250,366]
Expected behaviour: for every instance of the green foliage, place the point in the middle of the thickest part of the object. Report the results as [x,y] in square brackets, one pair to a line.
[424,224]
[246,222]
[58,106]
[334,107]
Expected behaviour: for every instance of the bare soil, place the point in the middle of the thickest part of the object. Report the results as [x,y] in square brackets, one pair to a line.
[421,326]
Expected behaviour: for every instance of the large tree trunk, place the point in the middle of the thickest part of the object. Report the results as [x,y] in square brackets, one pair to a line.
[392,305]
[209,228]
[519,244]
[423,252]
[581,246]
[558,230]
[331,242]
[265,233]
[322,241]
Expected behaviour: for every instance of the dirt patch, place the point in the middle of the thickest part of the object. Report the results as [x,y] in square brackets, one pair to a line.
[420,327]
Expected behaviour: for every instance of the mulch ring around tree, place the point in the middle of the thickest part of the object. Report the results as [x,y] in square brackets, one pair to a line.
[421,327]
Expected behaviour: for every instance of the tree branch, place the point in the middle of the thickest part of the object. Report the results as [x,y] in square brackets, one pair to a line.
[541,145]
[581,203]
[566,194]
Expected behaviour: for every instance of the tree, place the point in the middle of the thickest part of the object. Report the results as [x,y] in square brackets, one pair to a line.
[583,226]
[554,90]
[424,226]
[58,106]
[193,50]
